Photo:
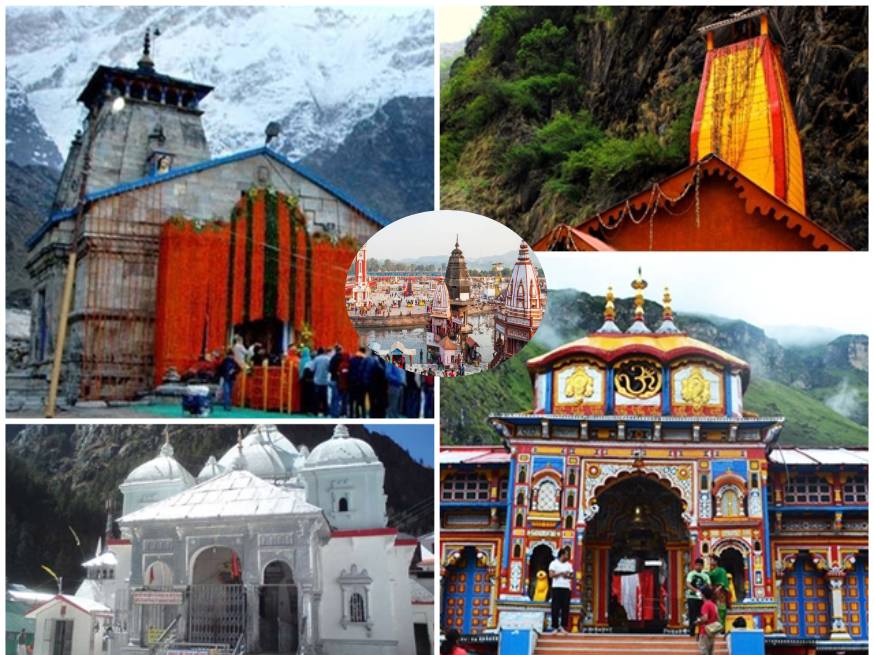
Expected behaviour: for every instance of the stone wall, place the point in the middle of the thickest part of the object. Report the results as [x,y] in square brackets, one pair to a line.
[122,146]
[115,291]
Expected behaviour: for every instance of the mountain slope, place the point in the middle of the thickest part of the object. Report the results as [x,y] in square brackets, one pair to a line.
[318,71]
[555,113]
[26,141]
[60,476]
[387,160]
[821,390]
[29,192]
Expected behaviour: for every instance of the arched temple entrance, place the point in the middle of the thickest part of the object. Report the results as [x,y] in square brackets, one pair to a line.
[735,564]
[637,543]
[468,590]
[269,332]
[277,609]
[541,558]
[217,599]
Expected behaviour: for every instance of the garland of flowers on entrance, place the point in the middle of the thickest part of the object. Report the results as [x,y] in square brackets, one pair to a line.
[209,280]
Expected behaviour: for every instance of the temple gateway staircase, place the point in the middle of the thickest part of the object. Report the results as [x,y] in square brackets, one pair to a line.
[622,644]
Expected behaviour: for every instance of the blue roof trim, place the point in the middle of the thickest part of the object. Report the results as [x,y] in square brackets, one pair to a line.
[319,181]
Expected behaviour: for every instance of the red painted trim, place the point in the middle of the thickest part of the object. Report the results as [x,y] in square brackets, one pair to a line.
[775,108]
[118,542]
[63,599]
[609,356]
[699,109]
[781,210]
[406,542]
[369,532]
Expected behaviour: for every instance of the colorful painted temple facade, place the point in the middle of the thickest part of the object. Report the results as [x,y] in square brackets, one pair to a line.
[639,455]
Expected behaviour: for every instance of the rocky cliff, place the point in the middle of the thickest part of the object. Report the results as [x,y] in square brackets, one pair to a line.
[554,113]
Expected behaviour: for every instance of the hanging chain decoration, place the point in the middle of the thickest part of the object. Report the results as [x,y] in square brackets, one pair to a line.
[657,198]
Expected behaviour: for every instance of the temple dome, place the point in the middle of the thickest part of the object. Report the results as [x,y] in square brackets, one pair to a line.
[211,469]
[341,450]
[264,452]
[163,468]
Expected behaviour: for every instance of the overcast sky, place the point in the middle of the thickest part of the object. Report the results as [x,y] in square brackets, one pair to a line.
[828,290]
[433,233]
[456,22]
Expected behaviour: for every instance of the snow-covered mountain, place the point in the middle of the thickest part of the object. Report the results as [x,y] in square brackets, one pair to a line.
[26,141]
[318,71]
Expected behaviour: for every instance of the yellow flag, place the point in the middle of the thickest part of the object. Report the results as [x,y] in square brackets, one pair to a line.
[51,573]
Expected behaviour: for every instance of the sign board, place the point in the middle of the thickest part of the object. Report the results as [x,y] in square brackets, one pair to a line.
[157,597]
[513,620]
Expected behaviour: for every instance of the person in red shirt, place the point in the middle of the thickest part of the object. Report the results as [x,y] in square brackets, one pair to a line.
[709,614]
[450,644]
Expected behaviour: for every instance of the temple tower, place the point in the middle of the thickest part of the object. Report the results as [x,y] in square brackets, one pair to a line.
[361,290]
[160,127]
[521,312]
[744,112]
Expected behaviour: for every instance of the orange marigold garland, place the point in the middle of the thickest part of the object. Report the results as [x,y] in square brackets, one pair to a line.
[212,279]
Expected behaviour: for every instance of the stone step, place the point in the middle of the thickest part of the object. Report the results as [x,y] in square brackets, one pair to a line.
[625,644]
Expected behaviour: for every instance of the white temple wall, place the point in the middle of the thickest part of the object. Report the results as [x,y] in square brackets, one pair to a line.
[388,606]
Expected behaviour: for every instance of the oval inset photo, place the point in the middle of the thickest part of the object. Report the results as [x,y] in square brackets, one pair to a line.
[445,293]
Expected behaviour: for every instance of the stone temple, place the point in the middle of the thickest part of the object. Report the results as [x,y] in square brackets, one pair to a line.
[270,549]
[150,168]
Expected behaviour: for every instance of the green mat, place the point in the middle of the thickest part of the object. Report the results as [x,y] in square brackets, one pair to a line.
[175,411]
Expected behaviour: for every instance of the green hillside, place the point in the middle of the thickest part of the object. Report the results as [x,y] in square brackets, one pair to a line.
[467,402]
[808,421]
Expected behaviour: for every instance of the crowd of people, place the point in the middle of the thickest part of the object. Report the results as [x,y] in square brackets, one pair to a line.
[709,595]
[333,383]
[362,385]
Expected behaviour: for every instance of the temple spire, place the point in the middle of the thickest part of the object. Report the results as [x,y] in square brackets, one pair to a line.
[639,284]
[667,314]
[145,62]
[166,448]
[609,324]
[667,326]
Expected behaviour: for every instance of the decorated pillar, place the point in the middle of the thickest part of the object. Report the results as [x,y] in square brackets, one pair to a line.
[601,583]
[676,586]
[778,596]
[835,578]
[253,635]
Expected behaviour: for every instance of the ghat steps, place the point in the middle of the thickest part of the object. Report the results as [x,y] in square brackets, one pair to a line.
[622,644]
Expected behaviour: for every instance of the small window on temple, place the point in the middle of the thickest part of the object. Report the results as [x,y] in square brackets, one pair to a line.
[572,477]
[803,489]
[520,498]
[546,497]
[521,477]
[502,493]
[465,486]
[519,520]
[568,522]
[755,480]
[517,550]
[571,498]
[856,490]
[343,505]
[356,608]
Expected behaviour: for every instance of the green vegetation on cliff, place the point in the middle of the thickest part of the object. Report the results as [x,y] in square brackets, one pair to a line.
[554,113]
